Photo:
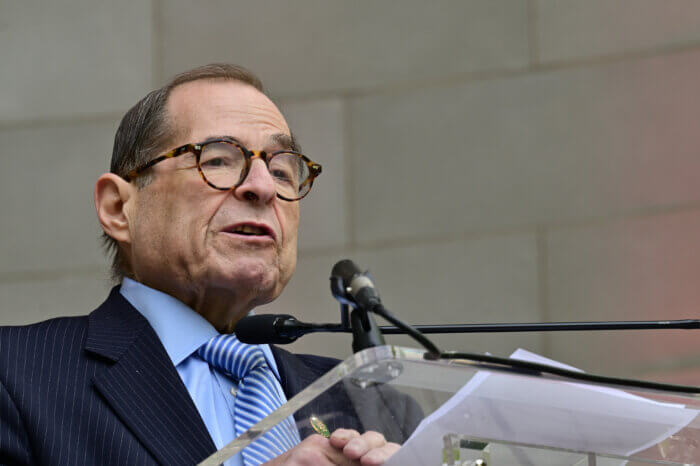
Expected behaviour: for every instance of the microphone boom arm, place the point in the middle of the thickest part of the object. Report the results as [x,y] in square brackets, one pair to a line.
[297,329]
[687,324]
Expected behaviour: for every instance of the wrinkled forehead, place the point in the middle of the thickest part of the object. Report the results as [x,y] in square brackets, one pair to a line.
[201,109]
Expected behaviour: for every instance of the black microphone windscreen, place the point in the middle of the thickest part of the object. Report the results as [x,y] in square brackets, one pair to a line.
[259,329]
[345,270]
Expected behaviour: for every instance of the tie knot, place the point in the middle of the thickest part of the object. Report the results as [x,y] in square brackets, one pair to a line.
[228,354]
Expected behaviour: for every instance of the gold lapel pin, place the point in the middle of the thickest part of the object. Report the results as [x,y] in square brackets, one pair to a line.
[319,427]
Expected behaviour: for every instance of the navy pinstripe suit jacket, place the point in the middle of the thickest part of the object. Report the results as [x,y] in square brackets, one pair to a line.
[101,390]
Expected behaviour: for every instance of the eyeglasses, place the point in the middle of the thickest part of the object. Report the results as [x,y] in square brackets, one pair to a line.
[224,164]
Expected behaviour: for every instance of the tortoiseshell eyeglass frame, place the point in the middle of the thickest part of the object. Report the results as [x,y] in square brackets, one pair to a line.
[196,149]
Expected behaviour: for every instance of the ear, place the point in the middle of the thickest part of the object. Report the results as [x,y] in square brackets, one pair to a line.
[112,193]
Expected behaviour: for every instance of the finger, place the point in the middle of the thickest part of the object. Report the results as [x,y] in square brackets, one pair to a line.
[340,437]
[379,456]
[359,446]
[314,450]
[308,452]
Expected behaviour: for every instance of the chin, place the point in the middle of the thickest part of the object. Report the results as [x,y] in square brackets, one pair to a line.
[258,275]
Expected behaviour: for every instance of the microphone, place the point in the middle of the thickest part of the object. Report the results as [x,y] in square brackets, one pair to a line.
[267,328]
[277,329]
[352,285]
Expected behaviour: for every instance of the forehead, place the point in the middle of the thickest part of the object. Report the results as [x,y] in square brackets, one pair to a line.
[204,108]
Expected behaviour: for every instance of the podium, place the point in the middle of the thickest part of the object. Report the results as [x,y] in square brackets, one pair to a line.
[468,412]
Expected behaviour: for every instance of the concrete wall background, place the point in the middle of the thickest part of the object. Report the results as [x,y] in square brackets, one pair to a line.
[487,160]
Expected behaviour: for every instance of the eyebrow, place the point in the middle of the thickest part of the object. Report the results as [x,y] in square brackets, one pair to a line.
[225,137]
[285,141]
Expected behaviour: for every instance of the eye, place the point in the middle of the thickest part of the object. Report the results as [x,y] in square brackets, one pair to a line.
[280,174]
[284,170]
[221,155]
[216,162]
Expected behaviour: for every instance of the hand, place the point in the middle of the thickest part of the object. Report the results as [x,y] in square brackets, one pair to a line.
[344,448]
[370,448]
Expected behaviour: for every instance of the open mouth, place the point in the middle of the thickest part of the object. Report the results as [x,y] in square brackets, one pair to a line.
[248,229]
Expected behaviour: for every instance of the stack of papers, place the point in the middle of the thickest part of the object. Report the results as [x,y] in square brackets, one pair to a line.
[534,411]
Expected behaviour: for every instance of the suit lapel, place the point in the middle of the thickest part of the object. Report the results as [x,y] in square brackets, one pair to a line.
[333,406]
[143,387]
[294,374]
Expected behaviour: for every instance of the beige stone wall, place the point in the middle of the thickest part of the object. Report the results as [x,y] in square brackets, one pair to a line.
[487,160]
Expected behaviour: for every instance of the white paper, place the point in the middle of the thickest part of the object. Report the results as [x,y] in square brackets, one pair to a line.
[536,411]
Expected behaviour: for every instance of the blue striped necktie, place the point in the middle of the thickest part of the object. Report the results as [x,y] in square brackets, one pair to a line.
[256,398]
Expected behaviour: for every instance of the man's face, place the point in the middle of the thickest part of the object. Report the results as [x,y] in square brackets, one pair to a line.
[182,230]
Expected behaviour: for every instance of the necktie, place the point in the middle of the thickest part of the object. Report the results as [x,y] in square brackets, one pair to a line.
[256,398]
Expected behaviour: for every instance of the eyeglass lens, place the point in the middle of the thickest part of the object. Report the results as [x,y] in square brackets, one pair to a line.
[223,165]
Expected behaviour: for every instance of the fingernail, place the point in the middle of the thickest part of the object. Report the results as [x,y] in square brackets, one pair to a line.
[353,448]
[373,457]
[341,435]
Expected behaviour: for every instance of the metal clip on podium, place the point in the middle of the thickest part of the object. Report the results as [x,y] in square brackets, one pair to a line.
[504,416]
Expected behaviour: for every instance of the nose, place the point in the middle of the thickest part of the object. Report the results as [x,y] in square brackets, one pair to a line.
[258,185]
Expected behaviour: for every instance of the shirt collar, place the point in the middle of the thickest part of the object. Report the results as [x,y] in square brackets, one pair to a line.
[181,330]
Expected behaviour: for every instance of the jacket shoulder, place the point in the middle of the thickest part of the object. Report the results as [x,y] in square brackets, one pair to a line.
[32,351]
[46,328]
[60,331]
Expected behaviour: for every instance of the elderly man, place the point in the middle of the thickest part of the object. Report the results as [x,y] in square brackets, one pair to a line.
[201,213]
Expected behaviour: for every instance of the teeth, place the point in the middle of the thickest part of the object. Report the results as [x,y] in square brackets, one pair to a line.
[250,230]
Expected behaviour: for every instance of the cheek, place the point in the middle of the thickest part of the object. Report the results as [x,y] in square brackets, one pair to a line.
[155,231]
[176,224]
[289,220]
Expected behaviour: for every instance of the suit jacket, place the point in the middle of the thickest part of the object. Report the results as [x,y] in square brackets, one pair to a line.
[101,389]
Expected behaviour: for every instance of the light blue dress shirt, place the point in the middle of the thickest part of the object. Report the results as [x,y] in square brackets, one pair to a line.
[182,331]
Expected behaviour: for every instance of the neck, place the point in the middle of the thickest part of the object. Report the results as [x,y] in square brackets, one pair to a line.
[222,308]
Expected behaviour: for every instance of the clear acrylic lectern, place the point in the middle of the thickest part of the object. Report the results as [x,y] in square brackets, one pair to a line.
[463,412]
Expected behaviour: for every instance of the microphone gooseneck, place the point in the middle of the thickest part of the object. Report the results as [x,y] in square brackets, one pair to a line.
[349,284]
[433,350]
